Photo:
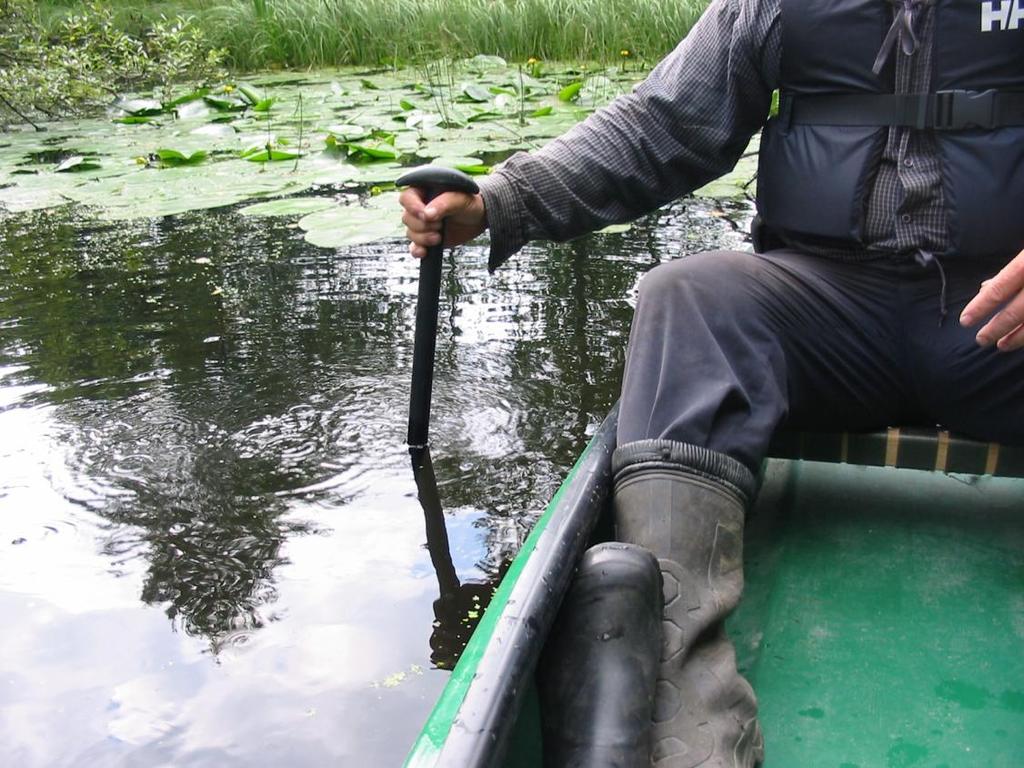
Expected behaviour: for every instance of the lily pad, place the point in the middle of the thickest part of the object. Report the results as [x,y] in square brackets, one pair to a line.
[379,150]
[216,130]
[149,193]
[474,92]
[376,218]
[289,206]
[267,152]
[347,132]
[140,107]
[77,163]
[614,229]
[477,117]
[250,94]
[226,103]
[571,92]
[189,97]
[173,158]
[135,119]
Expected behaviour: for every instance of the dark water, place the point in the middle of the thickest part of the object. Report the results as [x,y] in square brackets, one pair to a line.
[211,552]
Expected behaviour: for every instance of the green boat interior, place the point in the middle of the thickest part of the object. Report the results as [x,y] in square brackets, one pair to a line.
[883,616]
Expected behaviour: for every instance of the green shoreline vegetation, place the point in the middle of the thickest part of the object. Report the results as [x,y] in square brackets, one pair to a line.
[264,34]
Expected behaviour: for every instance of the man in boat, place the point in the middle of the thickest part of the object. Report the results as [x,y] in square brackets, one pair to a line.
[890,194]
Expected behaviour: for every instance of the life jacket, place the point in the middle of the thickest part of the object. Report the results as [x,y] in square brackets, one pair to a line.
[819,155]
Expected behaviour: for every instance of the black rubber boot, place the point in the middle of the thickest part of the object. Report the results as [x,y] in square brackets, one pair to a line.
[686,504]
[597,673]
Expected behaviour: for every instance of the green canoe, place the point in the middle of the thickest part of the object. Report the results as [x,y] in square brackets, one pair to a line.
[882,623]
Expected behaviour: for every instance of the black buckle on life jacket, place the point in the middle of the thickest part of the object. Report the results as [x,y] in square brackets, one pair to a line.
[956,110]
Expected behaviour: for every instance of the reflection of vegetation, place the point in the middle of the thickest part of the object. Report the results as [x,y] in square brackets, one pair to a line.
[87,59]
[196,411]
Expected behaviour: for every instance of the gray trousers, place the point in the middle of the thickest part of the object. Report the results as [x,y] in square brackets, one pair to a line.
[726,347]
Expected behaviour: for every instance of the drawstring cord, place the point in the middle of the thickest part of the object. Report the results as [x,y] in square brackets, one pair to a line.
[924,258]
[902,30]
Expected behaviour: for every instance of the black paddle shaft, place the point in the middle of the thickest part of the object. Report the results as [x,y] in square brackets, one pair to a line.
[433,180]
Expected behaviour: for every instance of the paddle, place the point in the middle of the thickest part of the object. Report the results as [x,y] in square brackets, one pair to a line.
[433,180]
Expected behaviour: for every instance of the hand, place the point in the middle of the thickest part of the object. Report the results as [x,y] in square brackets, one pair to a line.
[1005,293]
[464,214]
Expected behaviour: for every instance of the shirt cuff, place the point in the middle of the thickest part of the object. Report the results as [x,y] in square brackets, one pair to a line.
[504,220]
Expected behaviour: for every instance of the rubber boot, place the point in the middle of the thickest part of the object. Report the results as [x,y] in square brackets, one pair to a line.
[686,504]
[597,673]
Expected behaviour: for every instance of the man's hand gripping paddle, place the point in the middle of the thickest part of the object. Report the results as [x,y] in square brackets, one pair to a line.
[433,181]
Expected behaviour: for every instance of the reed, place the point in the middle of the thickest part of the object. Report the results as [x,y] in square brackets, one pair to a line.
[313,33]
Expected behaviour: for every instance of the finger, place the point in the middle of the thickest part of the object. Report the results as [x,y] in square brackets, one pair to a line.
[426,239]
[1007,320]
[416,224]
[995,292]
[447,204]
[412,200]
[1013,340]
[417,251]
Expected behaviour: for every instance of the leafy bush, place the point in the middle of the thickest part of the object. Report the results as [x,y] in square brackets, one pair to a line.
[88,60]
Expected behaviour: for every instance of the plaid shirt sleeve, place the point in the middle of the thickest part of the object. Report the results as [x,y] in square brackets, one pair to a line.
[683,126]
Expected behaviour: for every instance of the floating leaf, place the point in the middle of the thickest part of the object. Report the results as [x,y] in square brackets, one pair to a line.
[140,107]
[376,218]
[474,170]
[250,94]
[449,161]
[172,158]
[193,96]
[289,206]
[570,92]
[263,105]
[147,193]
[219,130]
[474,92]
[77,163]
[501,90]
[135,119]
[483,61]
[380,150]
[225,103]
[347,132]
[407,105]
[476,117]
[270,154]
[542,111]
[614,229]
[423,120]
[368,85]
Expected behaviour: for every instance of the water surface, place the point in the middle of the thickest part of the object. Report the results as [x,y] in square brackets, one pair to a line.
[211,551]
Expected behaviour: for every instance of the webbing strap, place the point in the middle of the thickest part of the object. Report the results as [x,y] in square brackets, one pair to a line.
[941,111]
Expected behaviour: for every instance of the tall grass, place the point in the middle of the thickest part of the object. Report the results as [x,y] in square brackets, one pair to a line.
[323,32]
[311,33]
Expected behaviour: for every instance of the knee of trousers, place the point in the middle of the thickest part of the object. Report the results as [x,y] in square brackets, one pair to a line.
[711,279]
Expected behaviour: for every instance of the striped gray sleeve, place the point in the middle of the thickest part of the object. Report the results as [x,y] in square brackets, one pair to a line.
[683,126]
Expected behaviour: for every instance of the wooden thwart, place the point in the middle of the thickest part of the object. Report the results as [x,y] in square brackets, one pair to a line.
[909,448]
